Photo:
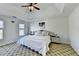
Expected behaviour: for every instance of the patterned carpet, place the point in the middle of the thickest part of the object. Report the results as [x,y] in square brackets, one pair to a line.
[55,50]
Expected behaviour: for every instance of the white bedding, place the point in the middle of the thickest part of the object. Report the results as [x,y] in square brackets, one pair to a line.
[38,43]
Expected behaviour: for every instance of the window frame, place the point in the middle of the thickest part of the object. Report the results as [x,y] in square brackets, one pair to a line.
[2,30]
[21,29]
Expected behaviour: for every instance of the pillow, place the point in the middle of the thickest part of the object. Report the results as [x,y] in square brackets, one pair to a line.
[32,33]
[51,33]
[38,33]
[42,33]
[45,33]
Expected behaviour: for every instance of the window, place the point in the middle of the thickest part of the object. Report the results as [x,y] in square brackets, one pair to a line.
[21,29]
[1,29]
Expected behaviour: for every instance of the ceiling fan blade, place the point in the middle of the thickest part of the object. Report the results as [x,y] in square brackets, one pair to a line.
[36,8]
[24,6]
[30,4]
[35,3]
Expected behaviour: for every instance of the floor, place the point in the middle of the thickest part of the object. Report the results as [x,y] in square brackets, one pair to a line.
[55,50]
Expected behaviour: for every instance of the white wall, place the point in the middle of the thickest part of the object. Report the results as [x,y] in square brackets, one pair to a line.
[74,29]
[10,30]
[57,25]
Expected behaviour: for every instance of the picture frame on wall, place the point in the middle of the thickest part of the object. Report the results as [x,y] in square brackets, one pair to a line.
[42,25]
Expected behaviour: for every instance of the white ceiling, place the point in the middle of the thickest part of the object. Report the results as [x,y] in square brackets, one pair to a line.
[47,10]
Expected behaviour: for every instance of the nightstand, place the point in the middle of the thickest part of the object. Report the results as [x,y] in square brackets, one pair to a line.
[55,39]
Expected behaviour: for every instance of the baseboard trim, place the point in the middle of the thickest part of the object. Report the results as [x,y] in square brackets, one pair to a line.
[8,43]
[60,43]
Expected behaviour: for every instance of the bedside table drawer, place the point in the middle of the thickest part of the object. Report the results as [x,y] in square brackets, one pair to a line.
[54,39]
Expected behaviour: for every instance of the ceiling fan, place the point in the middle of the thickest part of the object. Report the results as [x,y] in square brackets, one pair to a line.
[31,6]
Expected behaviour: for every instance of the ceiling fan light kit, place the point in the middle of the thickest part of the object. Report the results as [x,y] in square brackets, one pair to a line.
[31,7]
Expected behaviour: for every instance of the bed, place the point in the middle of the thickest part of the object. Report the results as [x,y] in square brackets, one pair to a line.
[38,43]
